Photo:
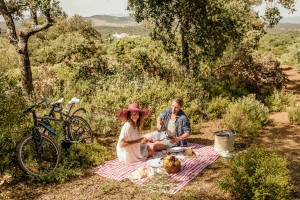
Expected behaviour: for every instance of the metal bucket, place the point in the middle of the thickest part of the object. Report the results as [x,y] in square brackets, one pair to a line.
[224,140]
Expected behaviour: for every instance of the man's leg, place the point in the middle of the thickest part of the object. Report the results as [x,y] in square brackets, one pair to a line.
[150,151]
[159,146]
[155,136]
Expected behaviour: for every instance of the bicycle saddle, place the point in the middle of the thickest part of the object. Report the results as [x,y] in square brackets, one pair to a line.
[74,100]
[58,102]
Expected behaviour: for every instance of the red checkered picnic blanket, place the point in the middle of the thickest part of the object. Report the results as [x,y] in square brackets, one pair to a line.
[190,167]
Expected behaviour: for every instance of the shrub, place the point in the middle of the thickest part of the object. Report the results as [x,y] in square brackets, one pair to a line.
[257,174]
[12,121]
[280,100]
[79,156]
[246,115]
[245,74]
[118,92]
[84,155]
[217,107]
[294,114]
[140,55]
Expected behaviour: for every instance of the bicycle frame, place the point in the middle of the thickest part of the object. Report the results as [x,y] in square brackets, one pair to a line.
[43,121]
[64,117]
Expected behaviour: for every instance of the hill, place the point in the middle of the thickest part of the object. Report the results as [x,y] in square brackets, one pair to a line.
[108,24]
[107,20]
[284,27]
[291,20]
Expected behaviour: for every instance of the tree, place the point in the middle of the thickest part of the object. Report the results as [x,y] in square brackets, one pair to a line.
[42,15]
[205,27]
[272,14]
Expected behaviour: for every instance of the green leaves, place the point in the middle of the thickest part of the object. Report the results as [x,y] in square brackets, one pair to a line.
[257,174]
[205,28]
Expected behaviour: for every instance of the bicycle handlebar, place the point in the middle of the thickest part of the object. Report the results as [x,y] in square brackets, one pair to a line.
[53,104]
[35,105]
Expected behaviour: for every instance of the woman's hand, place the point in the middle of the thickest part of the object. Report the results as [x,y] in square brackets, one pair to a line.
[144,141]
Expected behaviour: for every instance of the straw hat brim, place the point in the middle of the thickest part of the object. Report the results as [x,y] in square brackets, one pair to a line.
[122,114]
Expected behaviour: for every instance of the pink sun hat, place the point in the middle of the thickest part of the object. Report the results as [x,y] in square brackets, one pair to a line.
[122,114]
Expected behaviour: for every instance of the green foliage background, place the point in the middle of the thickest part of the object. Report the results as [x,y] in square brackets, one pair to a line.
[72,58]
[257,174]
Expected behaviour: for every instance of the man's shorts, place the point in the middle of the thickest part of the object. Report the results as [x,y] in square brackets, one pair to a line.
[162,137]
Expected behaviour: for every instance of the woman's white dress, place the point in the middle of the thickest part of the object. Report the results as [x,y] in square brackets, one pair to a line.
[135,152]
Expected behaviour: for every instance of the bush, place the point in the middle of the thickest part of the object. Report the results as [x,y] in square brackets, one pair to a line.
[85,155]
[118,92]
[246,115]
[257,174]
[12,121]
[217,107]
[79,156]
[245,74]
[279,101]
[140,55]
[294,114]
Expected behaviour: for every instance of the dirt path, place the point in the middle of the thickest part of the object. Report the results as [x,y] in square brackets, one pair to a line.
[278,135]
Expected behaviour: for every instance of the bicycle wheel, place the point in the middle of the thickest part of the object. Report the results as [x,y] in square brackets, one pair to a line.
[80,130]
[35,162]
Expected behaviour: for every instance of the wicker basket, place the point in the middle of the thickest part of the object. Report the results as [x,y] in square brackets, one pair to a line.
[173,169]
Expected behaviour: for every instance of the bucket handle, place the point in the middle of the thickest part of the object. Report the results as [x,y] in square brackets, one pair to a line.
[234,132]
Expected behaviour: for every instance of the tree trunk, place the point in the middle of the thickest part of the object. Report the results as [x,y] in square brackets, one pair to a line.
[24,64]
[185,52]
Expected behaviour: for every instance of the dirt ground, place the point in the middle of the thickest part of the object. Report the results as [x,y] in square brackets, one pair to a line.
[278,135]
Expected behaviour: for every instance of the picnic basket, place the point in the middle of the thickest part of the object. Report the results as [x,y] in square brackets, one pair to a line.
[173,168]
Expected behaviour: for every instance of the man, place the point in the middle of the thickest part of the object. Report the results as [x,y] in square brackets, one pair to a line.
[173,127]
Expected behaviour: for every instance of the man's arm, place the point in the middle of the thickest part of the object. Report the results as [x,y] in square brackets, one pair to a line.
[179,138]
[158,125]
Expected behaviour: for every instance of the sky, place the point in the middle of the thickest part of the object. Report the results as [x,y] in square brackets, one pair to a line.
[87,8]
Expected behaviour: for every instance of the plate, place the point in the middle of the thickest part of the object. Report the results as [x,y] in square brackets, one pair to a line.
[176,149]
[156,162]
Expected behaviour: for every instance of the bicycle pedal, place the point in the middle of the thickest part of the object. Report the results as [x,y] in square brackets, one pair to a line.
[66,141]
[66,144]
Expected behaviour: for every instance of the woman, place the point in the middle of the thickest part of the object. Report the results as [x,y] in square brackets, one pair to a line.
[131,147]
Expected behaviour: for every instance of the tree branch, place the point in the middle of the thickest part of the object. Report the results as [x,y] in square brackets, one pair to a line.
[11,29]
[33,15]
[27,32]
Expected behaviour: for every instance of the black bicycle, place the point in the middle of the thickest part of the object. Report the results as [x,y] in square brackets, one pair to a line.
[38,153]
[76,128]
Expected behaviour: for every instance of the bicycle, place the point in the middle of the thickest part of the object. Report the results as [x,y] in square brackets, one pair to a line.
[38,154]
[75,127]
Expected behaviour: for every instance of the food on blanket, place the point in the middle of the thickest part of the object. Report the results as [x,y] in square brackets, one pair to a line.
[143,172]
[176,163]
[166,162]
[188,152]
[172,164]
